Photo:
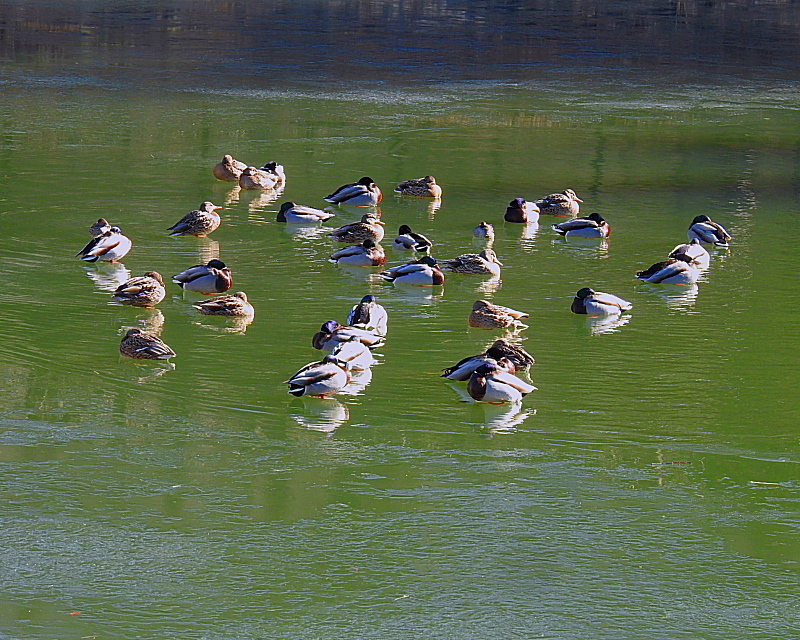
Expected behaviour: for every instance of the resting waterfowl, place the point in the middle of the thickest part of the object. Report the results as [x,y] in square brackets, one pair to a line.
[229,169]
[366,254]
[354,354]
[332,333]
[144,346]
[678,270]
[369,315]
[363,193]
[521,211]
[109,246]
[369,228]
[234,305]
[423,272]
[144,291]
[99,228]
[420,187]
[323,378]
[483,230]
[276,171]
[693,250]
[199,222]
[490,384]
[592,226]
[506,355]
[486,315]
[565,203]
[207,279]
[301,214]
[706,230]
[253,179]
[596,303]
[483,263]
[407,240]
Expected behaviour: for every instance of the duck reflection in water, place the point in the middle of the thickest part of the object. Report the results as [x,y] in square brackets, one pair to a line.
[207,250]
[505,418]
[359,381]
[224,324]
[489,287]
[321,415]
[107,276]
[263,200]
[600,325]
[680,298]
[586,248]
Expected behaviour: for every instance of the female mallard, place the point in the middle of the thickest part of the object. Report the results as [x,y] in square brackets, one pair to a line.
[253,178]
[109,246]
[366,254]
[323,378]
[592,226]
[199,222]
[145,291]
[483,230]
[235,306]
[144,346]
[369,315]
[522,211]
[596,303]
[276,171]
[678,270]
[506,355]
[301,214]
[483,263]
[332,333]
[706,230]
[207,279]
[363,193]
[407,240]
[693,250]
[229,169]
[489,384]
[370,228]
[565,203]
[99,228]
[486,315]
[423,272]
[420,187]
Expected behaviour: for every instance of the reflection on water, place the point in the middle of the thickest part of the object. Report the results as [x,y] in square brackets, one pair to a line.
[487,288]
[504,419]
[148,320]
[207,250]
[224,324]
[583,248]
[676,297]
[358,383]
[606,324]
[325,415]
[107,276]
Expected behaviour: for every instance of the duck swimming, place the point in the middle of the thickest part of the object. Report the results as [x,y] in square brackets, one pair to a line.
[369,228]
[596,303]
[486,315]
[323,378]
[366,254]
[144,346]
[363,193]
[424,272]
[490,384]
[483,263]
[207,279]
[144,291]
[565,203]
[301,214]
[592,226]
[521,211]
[706,230]
[109,246]
[234,306]
[407,240]
[420,187]
[199,222]
[229,169]
[678,270]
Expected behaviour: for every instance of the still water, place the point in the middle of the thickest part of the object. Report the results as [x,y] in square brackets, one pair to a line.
[647,490]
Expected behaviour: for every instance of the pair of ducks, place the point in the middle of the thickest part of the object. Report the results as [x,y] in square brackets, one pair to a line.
[365,192]
[566,203]
[265,178]
[149,289]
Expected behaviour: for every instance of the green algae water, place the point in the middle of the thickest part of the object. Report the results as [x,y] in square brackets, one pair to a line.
[646,490]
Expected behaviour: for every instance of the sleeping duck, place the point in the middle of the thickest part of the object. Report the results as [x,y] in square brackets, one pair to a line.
[199,222]
[363,193]
[592,226]
[522,211]
[565,203]
[424,272]
[323,378]
[596,303]
[207,279]
[490,384]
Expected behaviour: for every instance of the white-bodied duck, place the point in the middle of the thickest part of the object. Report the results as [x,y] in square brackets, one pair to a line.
[423,272]
[208,279]
[408,240]
[294,213]
[366,254]
[363,193]
[490,384]
[596,303]
[323,378]
[706,230]
[369,315]
[678,270]
[592,226]
[109,246]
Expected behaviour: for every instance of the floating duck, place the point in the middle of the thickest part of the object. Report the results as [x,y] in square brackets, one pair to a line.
[332,333]
[144,346]
[423,272]
[363,193]
[693,250]
[490,384]
[420,187]
[99,227]
[522,211]
[504,354]
[323,378]
[369,228]
[678,270]
[706,230]
[145,291]
[235,305]
[596,303]
[276,171]
[301,214]
[483,263]
[565,203]
[199,222]
[369,315]
[354,354]
[366,254]
[207,279]
[483,230]
[486,315]
[253,179]
[410,241]
[592,226]
[229,169]
[109,246]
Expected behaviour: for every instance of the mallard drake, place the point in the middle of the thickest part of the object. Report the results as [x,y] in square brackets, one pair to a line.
[145,291]
[706,230]
[678,270]
[486,315]
[234,305]
[522,211]
[693,250]
[99,228]
[423,272]
[490,384]
[506,355]
[207,279]
[483,230]
[565,203]
[276,171]
[407,240]
[301,214]
[332,333]
[199,222]
[596,303]
[323,378]
[420,187]
[369,315]
[253,179]
[369,228]
[354,354]
[363,193]
[144,346]
[109,246]
[483,263]
[366,254]
[592,226]
[229,169]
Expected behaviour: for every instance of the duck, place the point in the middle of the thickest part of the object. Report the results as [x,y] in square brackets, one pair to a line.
[276,171]
[706,230]
[332,333]
[592,226]
[366,254]
[301,214]
[423,272]
[99,227]
[144,346]
[483,263]
[253,179]
[678,270]
[199,222]
[486,315]
[208,279]
[235,305]
[503,353]
[521,211]
[109,246]
[322,379]
[695,251]
[488,383]
[355,355]
[369,315]
[407,240]
[566,203]
[369,228]
[596,303]
[420,187]
[363,193]
[483,230]
[229,169]
[144,291]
